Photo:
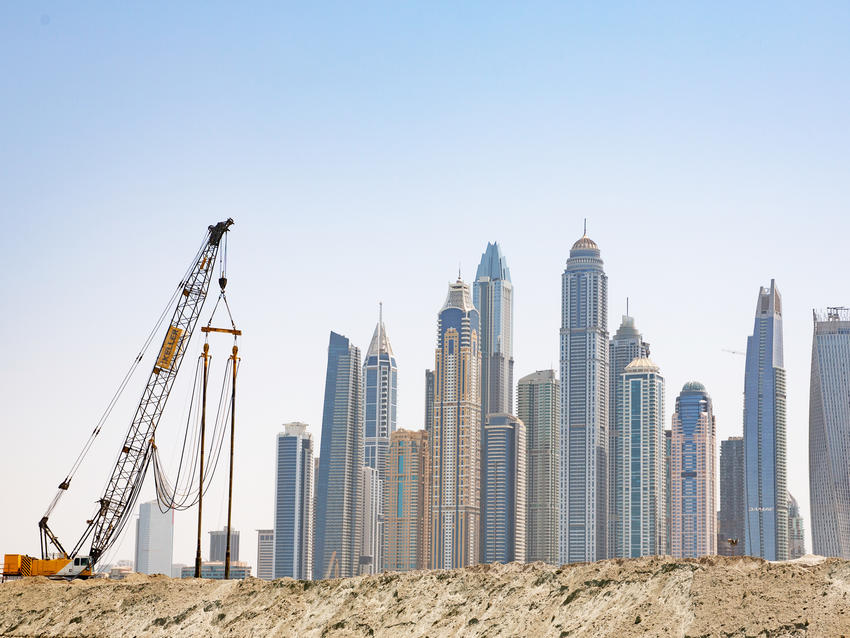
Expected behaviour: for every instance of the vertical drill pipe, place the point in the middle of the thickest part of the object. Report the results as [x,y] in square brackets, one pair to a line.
[234,358]
[201,479]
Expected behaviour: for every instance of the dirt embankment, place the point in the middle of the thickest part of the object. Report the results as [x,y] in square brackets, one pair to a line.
[644,597]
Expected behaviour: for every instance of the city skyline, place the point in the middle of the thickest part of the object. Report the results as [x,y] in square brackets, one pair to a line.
[680,140]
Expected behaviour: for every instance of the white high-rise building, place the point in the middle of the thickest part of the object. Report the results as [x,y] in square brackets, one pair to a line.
[641,528]
[370,513]
[584,406]
[293,504]
[154,539]
[265,554]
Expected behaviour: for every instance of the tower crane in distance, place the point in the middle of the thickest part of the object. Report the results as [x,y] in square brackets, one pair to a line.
[116,504]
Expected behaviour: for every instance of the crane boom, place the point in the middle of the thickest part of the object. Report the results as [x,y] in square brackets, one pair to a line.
[133,459]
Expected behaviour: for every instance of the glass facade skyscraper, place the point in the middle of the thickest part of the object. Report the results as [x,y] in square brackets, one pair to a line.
[692,474]
[584,405]
[765,479]
[626,345]
[455,435]
[538,407]
[829,433]
[642,529]
[380,379]
[503,489]
[493,297]
[336,536]
[292,554]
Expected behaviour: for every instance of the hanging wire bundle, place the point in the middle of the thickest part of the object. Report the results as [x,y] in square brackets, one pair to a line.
[184,492]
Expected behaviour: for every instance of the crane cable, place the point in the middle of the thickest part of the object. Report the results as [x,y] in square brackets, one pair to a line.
[64,485]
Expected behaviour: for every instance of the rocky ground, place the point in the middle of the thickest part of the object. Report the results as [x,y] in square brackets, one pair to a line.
[644,597]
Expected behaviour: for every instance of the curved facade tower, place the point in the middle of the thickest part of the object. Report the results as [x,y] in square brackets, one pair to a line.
[455,435]
[765,472]
[693,482]
[829,434]
[584,406]
[493,296]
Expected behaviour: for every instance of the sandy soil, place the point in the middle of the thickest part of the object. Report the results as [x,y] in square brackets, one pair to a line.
[645,597]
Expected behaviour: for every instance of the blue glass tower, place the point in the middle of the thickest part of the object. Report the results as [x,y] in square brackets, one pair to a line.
[765,481]
[503,489]
[293,504]
[493,297]
[380,376]
[336,542]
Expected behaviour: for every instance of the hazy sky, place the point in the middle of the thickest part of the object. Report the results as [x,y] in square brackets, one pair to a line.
[364,151]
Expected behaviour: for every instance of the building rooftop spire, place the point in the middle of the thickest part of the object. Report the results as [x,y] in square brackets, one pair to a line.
[380,344]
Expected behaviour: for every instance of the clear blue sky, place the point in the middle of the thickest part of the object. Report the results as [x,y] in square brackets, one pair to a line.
[364,151]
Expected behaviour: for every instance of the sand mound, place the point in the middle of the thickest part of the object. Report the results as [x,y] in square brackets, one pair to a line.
[649,597]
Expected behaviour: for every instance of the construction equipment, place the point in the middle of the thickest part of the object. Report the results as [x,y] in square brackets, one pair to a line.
[122,490]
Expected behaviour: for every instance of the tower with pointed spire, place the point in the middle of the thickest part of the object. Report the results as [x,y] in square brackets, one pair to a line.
[493,298]
[584,405]
[380,376]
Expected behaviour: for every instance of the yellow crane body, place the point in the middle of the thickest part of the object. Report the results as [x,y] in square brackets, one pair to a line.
[16,565]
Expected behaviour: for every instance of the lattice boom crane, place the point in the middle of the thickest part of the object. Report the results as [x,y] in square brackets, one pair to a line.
[128,474]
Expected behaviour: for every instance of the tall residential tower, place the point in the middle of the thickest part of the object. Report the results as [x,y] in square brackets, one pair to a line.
[765,479]
[537,407]
[584,405]
[292,555]
[336,534]
[829,433]
[493,297]
[626,345]
[692,475]
[455,435]
[641,528]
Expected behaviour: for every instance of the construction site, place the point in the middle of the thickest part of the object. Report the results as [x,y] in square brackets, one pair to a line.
[716,596]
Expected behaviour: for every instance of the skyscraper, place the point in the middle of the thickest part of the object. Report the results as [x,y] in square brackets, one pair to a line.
[493,297]
[829,433]
[626,345]
[503,489]
[380,381]
[407,525]
[692,477]
[764,433]
[429,399]
[218,545]
[668,503]
[265,554]
[642,529]
[455,436]
[380,377]
[292,555]
[796,531]
[154,539]
[584,405]
[336,537]
[537,407]
[370,513]
[731,517]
